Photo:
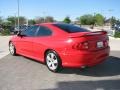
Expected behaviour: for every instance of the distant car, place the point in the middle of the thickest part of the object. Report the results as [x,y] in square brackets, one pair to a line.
[1,28]
[61,45]
[116,27]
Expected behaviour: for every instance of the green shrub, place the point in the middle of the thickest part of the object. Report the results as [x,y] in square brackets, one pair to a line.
[5,32]
[117,34]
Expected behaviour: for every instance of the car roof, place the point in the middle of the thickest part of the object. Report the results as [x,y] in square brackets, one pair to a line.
[53,28]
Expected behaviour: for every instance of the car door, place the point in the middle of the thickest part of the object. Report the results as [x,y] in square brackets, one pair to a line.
[39,44]
[25,42]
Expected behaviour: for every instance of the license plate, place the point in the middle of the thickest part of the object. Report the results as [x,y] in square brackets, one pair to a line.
[100,44]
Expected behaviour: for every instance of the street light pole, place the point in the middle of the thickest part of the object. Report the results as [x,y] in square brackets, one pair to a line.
[44,16]
[111,10]
[18,14]
[15,20]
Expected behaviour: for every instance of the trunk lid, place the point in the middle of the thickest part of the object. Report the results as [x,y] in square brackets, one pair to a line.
[96,40]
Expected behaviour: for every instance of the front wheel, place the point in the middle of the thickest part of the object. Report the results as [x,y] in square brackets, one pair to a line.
[53,61]
[12,49]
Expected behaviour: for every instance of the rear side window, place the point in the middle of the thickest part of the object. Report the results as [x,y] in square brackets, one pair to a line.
[70,28]
[44,31]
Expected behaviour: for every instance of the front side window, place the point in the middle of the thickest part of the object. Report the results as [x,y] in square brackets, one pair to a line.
[44,31]
[31,31]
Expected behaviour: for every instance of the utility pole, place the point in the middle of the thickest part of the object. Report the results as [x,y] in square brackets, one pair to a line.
[18,15]
[111,10]
[44,16]
[15,20]
[0,18]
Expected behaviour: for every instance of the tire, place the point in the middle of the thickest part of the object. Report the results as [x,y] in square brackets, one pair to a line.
[53,61]
[12,49]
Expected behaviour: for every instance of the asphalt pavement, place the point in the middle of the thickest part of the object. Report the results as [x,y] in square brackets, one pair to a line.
[21,73]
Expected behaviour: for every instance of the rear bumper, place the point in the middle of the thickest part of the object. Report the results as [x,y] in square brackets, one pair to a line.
[80,59]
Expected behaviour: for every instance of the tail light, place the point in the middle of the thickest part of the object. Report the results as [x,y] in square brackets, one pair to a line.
[81,46]
[106,43]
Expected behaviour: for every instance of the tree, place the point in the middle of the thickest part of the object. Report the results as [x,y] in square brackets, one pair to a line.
[118,21]
[67,20]
[22,20]
[31,22]
[113,20]
[14,20]
[99,19]
[6,23]
[11,20]
[87,19]
[39,20]
[1,20]
[44,19]
[49,19]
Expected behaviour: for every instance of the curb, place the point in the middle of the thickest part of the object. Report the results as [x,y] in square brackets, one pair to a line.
[112,38]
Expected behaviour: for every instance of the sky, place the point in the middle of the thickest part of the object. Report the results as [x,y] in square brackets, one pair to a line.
[60,8]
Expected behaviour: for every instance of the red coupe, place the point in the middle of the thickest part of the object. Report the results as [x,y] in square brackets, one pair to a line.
[61,45]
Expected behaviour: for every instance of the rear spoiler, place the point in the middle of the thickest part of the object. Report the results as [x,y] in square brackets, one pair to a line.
[96,33]
[73,35]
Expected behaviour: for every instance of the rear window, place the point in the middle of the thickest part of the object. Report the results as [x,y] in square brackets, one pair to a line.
[70,28]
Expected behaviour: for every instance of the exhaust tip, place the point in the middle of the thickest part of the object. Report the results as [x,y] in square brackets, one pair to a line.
[83,67]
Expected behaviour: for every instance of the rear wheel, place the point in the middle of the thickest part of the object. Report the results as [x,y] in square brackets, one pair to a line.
[53,61]
[12,49]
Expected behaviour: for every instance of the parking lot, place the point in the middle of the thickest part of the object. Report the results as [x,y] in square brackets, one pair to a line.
[21,73]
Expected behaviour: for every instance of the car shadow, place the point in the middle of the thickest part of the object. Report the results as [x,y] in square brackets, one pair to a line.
[110,67]
[87,85]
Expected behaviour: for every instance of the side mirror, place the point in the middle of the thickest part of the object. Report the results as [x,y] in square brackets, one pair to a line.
[20,34]
[15,32]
